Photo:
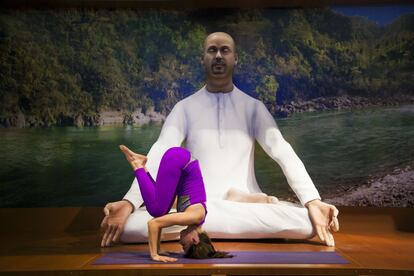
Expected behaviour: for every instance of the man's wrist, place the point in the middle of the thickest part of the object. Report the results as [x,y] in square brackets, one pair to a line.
[310,202]
[130,203]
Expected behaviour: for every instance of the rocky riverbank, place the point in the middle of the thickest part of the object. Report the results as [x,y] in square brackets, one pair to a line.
[136,117]
[394,189]
[339,103]
[139,117]
[107,117]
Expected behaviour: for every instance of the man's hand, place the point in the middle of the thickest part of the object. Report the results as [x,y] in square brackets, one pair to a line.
[116,215]
[324,219]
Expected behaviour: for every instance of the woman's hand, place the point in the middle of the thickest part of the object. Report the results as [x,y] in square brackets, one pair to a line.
[164,259]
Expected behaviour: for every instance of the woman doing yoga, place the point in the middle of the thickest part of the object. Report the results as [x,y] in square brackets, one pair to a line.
[180,175]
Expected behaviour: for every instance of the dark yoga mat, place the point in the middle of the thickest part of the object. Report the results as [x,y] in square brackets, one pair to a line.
[240,257]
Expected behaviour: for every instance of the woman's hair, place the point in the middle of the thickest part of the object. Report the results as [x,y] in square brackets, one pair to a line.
[205,249]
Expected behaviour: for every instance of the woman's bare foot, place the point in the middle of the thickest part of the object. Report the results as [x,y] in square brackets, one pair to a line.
[234,194]
[136,160]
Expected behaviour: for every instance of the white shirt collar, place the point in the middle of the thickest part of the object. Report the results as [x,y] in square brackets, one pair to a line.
[219,94]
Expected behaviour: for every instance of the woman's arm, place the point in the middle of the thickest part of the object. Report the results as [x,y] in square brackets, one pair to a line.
[192,215]
[154,234]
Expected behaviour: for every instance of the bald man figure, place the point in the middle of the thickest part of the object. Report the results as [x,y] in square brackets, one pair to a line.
[220,125]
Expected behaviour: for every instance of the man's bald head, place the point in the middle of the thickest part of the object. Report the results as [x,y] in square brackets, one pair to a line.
[219,35]
[219,59]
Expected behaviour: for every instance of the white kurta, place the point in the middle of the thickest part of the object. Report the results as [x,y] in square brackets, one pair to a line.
[220,130]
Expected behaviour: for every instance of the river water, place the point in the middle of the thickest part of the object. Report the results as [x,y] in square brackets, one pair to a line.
[68,166]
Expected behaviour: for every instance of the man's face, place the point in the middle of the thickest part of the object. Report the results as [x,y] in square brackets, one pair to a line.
[219,56]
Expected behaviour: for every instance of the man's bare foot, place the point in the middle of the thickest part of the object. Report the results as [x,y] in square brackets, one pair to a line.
[272,199]
[234,194]
[136,160]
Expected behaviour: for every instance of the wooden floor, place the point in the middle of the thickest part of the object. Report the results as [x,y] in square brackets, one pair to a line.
[64,241]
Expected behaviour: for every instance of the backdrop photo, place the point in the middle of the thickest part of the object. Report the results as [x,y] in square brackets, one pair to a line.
[76,83]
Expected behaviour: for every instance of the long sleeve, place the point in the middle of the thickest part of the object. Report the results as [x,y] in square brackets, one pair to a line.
[271,140]
[172,134]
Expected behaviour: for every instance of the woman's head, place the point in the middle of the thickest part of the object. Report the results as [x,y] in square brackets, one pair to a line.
[189,236]
[197,244]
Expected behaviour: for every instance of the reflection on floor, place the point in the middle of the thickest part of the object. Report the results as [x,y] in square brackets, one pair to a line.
[65,241]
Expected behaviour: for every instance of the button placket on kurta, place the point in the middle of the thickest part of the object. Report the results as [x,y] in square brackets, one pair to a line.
[220,115]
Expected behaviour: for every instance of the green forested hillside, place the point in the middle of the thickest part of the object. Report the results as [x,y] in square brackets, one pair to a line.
[61,64]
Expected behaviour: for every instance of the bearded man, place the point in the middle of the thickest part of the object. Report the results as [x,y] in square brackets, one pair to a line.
[220,124]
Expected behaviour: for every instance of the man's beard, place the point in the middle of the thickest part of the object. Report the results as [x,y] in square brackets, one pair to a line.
[218,68]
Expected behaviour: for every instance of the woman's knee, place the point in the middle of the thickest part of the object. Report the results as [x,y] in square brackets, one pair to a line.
[177,155]
[157,208]
[158,212]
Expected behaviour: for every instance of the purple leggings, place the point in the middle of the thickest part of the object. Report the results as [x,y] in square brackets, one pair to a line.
[159,195]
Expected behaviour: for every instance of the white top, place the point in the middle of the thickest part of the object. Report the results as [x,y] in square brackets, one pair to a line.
[220,131]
